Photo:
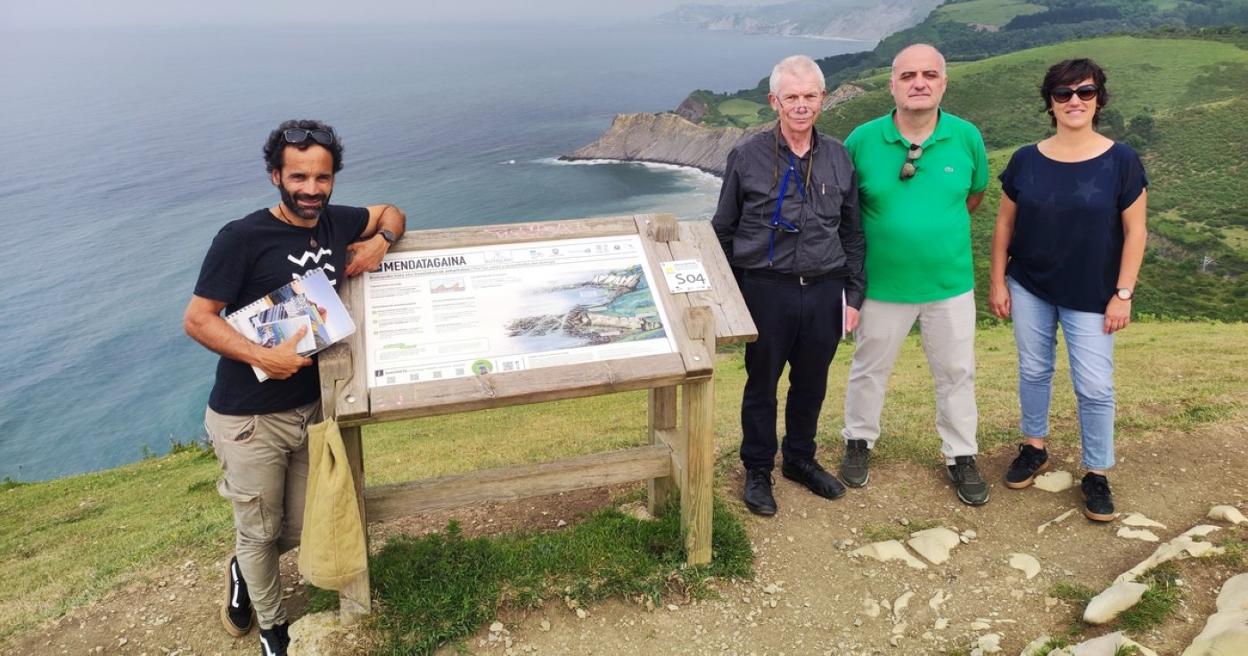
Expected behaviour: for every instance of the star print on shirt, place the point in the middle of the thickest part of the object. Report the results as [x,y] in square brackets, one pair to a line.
[1087,189]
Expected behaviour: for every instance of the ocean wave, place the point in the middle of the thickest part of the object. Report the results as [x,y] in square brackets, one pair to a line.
[695,172]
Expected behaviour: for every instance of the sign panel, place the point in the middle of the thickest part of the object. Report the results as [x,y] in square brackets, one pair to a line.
[684,276]
[448,313]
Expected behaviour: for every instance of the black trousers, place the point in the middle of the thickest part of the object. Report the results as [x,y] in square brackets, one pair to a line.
[799,325]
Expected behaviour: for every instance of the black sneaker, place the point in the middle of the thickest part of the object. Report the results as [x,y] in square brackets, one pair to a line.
[275,641]
[1098,501]
[812,475]
[971,487]
[1030,463]
[236,611]
[854,465]
[758,497]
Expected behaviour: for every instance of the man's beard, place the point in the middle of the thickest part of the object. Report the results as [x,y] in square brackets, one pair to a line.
[305,213]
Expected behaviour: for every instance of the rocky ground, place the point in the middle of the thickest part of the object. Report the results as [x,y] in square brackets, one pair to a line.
[810,595]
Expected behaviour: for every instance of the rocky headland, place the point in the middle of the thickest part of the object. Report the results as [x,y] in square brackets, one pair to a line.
[675,137]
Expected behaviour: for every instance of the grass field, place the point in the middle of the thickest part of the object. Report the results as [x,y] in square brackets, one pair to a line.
[1195,92]
[66,542]
[986,12]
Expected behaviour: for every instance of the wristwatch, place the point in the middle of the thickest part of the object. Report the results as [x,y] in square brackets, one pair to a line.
[390,238]
[1125,293]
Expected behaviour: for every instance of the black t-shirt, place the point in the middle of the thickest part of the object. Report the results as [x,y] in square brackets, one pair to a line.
[253,256]
[1067,243]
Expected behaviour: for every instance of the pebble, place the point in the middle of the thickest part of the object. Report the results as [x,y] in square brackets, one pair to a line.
[673,607]
[545,625]
[581,614]
[941,624]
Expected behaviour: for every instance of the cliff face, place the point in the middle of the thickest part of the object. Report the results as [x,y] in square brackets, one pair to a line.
[665,139]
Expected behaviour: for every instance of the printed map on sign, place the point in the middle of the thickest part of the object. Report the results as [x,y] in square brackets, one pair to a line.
[449,313]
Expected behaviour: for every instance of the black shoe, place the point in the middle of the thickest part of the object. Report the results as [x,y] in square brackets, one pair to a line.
[1098,501]
[854,465]
[758,497]
[816,479]
[1030,463]
[236,611]
[972,489]
[275,641]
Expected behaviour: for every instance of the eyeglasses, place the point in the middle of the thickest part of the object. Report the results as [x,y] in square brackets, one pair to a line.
[909,168]
[1086,92]
[296,136]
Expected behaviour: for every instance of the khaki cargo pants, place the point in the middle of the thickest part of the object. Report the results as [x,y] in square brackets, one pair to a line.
[264,461]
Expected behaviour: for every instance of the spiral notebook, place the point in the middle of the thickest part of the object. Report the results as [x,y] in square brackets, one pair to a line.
[309,301]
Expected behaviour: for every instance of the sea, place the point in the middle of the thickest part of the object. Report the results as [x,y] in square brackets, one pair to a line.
[123,152]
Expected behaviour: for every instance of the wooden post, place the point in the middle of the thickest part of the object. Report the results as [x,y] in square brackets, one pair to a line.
[698,405]
[354,600]
[663,431]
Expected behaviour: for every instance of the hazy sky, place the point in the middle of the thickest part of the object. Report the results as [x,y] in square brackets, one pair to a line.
[92,13]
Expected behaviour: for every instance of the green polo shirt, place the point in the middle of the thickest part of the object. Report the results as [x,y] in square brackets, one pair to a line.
[918,231]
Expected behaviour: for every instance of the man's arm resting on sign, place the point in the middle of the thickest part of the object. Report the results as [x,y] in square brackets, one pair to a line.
[366,254]
[204,323]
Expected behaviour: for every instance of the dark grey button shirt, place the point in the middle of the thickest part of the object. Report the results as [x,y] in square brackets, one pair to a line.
[829,238]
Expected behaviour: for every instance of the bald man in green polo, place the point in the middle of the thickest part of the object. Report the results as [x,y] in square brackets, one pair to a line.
[921,172]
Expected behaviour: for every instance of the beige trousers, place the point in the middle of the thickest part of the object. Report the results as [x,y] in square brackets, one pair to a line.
[264,461]
[948,333]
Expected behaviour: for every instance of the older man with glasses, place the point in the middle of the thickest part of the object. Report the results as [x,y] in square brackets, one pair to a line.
[921,172]
[788,221]
[259,429]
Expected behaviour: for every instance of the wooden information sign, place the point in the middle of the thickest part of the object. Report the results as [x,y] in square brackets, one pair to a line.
[661,346]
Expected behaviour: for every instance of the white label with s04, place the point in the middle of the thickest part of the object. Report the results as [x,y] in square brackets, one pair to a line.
[685,276]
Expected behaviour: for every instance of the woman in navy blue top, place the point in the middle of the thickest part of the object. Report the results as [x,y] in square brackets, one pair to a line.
[1066,251]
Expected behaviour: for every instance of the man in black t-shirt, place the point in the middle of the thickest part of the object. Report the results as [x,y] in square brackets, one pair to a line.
[259,430]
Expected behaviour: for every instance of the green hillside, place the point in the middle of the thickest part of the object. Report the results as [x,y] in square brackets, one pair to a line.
[1181,102]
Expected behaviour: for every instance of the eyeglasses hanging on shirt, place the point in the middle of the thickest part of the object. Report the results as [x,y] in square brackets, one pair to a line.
[778,222]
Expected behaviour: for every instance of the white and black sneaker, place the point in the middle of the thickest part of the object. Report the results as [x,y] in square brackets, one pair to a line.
[274,641]
[236,611]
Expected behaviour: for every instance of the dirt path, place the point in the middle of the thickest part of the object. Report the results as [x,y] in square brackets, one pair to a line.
[809,596]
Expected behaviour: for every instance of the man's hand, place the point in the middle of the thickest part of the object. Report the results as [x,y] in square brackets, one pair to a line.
[1117,315]
[851,319]
[283,361]
[366,255]
[999,300]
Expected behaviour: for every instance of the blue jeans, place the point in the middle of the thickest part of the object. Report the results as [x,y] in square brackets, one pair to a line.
[1091,370]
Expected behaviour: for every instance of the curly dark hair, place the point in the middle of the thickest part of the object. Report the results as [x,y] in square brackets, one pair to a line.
[1069,72]
[275,145]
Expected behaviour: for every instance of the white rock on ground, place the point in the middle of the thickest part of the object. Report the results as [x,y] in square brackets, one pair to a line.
[1055,481]
[989,643]
[1025,563]
[1033,648]
[1227,514]
[899,606]
[934,544]
[1106,645]
[886,551]
[1180,547]
[1226,631]
[938,599]
[315,634]
[1140,521]
[1116,598]
[1138,534]
[1060,518]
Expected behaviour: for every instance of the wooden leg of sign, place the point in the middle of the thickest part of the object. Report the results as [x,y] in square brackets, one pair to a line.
[699,410]
[354,598]
[662,431]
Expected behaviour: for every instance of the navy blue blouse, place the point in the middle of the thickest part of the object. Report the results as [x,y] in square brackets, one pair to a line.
[1067,242]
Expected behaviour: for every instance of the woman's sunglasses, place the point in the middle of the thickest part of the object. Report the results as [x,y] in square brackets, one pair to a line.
[1086,92]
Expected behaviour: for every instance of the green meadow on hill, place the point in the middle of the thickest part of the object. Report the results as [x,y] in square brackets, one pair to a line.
[1180,102]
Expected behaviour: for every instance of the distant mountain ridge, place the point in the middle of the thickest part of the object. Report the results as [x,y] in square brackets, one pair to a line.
[860,20]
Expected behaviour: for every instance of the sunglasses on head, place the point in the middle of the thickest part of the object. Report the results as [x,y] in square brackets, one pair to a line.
[909,168]
[1086,92]
[296,136]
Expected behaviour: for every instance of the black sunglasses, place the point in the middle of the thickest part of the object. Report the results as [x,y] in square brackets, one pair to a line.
[296,136]
[909,168]
[1086,92]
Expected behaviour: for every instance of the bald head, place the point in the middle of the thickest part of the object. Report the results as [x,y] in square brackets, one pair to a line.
[918,80]
[920,50]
